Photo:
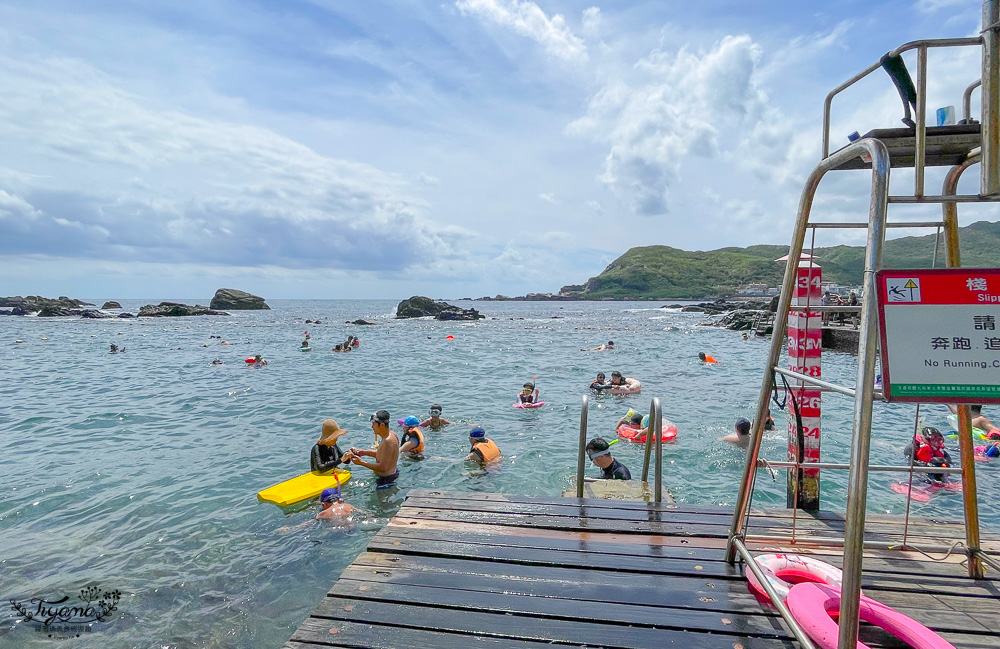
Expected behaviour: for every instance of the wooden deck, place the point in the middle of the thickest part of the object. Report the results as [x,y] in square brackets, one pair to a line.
[493,570]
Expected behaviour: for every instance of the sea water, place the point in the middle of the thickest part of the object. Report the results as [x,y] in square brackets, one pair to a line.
[138,472]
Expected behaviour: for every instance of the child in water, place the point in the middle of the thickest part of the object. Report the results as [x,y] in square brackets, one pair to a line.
[529,393]
[435,421]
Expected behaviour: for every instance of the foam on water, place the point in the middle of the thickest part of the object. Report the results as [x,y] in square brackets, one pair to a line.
[139,471]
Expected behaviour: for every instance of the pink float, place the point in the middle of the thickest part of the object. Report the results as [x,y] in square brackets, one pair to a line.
[812,606]
[538,404]
[795,567]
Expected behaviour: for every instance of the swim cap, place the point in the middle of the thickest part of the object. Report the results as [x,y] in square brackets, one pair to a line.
[993,451]
[411,421]
[330,495]
[611,342]
[477,431]
[529,386]
[930,431]
[742,426]
[381,416]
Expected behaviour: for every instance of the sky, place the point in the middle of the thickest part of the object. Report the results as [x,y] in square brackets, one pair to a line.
[461,148]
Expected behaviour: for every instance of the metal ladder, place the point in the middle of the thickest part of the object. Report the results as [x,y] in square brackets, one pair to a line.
[876,147]
[656,430]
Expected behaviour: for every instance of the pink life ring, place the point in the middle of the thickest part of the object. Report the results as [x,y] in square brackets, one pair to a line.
[631,433]
[797,567]
[812,605]
[537,404]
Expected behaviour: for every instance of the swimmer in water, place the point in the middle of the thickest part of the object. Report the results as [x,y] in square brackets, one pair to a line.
[334,507]
[529,393]
[386,455]
[258,361]
[600,348]
[600,383]
[599,452]
[484,450]
[412,440]
[435,421]
[705,357]
[741,434]
[217,361]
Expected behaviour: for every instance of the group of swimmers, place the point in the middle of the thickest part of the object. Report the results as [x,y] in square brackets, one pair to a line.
[327,455]
[618,382]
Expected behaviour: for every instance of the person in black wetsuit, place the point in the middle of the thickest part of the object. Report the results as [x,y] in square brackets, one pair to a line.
[599,452]
[326,455]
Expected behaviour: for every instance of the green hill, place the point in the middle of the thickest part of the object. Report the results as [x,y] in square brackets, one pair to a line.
[662,272]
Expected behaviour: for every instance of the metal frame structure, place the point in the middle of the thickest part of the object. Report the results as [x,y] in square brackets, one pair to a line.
[988,155]
[655,429]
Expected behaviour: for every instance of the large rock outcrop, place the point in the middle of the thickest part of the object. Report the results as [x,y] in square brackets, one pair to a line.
[111,304]
[35,304]
[234,300]
[175,309]
[422,307]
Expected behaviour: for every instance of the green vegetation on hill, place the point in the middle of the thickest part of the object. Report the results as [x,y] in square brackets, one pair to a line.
[662,272]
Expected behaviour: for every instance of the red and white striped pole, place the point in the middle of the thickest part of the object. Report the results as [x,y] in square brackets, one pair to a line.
[805,345]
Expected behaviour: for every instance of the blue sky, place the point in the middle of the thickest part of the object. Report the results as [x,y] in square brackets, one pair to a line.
[339,149]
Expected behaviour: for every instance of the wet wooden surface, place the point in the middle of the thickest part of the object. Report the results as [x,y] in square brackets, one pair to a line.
[493,570]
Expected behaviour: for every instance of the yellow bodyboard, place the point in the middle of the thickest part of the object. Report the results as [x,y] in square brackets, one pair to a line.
[303,487]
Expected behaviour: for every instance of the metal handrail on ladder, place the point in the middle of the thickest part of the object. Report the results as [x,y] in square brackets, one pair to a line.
[860,446]
[655,427]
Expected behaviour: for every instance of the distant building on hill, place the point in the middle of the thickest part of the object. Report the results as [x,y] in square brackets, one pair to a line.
[755,290]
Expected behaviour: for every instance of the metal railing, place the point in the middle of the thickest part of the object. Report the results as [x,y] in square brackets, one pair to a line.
[655,429]
[861,439]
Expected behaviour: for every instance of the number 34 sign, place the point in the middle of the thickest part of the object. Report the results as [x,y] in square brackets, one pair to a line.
[940,335]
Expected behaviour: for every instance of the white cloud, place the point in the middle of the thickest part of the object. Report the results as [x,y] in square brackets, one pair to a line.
[932,6]
[549,198]
[591,20]
[679,107]
[130,181]
[527,19]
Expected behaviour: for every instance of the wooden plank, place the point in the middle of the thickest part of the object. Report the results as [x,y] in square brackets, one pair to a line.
[672,592]
[330,633]
[554,608]
[705,593]
[594,504]
[661,528]
[663,563]
[397,536]
[549,557]
[579,631]
[803,520]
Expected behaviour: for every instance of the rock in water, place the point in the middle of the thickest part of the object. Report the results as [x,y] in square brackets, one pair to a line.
[234,300]
[422,307]
[169,309]
[111,304]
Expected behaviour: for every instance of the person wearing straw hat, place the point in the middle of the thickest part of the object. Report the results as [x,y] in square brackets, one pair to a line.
[326,455]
